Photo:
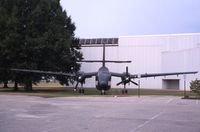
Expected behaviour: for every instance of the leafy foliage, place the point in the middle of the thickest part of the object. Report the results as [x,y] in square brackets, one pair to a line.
[195,86]
[36,34]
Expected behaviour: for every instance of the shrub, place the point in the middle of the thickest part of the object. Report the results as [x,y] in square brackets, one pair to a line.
[195,86]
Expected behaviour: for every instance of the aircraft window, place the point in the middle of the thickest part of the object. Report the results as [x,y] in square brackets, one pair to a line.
[87,41]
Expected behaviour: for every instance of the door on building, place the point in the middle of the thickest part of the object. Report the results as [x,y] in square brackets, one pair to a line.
[170,84]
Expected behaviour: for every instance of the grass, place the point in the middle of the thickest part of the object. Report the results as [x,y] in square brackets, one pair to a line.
[66,92]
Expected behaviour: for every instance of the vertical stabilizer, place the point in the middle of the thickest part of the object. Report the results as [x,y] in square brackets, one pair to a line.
[104,55]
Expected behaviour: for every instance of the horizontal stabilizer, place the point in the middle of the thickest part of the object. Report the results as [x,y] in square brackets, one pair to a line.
[106,61]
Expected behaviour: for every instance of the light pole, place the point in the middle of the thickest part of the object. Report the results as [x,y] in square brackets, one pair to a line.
[184,77]
[139,76]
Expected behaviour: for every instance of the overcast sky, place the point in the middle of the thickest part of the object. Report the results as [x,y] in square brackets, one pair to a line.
[114,18]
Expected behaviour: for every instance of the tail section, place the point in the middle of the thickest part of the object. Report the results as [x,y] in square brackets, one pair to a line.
[104,61]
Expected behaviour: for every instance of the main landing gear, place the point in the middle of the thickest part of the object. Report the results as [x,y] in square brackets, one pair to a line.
[124,91]
[81,90]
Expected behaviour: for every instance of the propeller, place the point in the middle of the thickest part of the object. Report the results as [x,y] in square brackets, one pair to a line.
[126,78]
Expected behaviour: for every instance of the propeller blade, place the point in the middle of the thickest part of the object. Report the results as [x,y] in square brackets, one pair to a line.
[120,83]
[76,85]
[134,83]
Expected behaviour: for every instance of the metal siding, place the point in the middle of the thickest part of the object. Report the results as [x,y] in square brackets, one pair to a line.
[149,54]
[184,60]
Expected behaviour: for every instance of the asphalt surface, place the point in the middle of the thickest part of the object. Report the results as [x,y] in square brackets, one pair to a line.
[99,114]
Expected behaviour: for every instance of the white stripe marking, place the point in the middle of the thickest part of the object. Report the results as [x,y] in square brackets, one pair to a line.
[146,122]
[170,100]
[29,116]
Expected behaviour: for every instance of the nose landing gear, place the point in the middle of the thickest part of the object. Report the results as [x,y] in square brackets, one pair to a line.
[103,92]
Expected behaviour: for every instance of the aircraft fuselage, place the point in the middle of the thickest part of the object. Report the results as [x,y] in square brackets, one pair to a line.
[103,79]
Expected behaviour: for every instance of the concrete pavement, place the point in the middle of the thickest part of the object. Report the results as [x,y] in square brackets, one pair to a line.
[99,114]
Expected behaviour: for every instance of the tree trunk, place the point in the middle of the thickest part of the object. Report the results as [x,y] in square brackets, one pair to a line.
[28,86]
[16,86]
[5,84]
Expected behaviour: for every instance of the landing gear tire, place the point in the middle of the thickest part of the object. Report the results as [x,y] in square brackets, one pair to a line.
[81,91]
[124,91]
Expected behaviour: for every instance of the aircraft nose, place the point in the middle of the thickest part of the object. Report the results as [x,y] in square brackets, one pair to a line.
[103,84]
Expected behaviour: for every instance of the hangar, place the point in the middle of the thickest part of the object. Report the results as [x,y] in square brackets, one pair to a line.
[149,54]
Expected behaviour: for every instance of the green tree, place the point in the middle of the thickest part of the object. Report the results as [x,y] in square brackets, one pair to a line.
[6,38]
[38,35]
[195,86]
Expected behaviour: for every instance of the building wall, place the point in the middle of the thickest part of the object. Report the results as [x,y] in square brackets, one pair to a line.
[182,60]
[149,54]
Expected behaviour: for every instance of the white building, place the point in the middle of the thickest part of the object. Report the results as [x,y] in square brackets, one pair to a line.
[149,54]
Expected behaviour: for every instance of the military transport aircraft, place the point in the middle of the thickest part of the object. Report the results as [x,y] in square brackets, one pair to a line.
[103,75]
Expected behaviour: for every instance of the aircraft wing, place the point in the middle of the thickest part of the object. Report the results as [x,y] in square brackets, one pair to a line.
[43,72]
[89,74]
[86,75]
[117,74]
[160,74]
[151,74]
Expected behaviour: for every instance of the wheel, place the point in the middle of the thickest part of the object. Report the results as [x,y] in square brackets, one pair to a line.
[122,91]
[83,91]
[126,91]
[79,90]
